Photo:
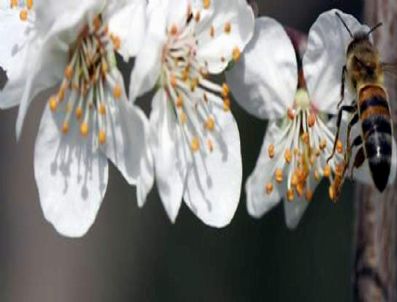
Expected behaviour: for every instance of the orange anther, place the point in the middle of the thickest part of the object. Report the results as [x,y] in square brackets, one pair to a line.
[226,104]
[195,144]
[269,188]
[53,103]
[331,192]
[179,101]
[291,113]
[84,129]
[327,171]
[102,137]
[323,144]
[29,4]
[271,150]
[23,15]
[117,91]
[79,112]
[288,156]
[206,3]
[236,54]
[174,30]
[227,28]
[279,175]
[311,120]
[309,195]
[339,146]
[69,72]
[225,90]
[210,123]
[65,127]
[290,195]
[102,109]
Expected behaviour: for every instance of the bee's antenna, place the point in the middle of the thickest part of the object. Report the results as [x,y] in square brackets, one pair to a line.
[374,28]
[344,23]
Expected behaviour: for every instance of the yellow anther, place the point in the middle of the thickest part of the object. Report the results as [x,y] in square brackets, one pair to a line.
[290,195]
[186,74]
[309,195]
[339,147]
[212,31]
[116,42]
[294,179]
[84,129]
[105,68]
[195,144]
[210,145]
[305,137]
[279,175]
[23,15]
[300,189]
[288,156]
[13,3]
[79,112]
[226,104]
[29,4]
[327,171]
[102,109]
[323,144]
[197,17]
[236,54]
[210,123]
[228,27]
[183,117]
[269,188]
[296,151]
[311,120]
[102,137]
[65,127]
[225,90]
[331,192]
[53,103]
[206,3]
[179,101]
[193,84]
[174,30]
[271,150]
[173,81]
[291,113]
[69,72]
[117,91]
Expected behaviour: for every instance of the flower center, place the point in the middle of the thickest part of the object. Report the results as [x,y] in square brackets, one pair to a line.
[185,78]
[300,152]
[25,6]
[91,81]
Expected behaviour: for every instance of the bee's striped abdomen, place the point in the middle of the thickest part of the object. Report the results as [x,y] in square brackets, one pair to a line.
[377,132]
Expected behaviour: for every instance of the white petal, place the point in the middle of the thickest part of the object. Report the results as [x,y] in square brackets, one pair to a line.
[214,180]
[71,176]
[146,176]
[129,24]
[211,50]
[325,57]
[294,210]
[148,61]
[50,61]
[14,37]
[168,152]
[264,81]
[125,131]
[258,201]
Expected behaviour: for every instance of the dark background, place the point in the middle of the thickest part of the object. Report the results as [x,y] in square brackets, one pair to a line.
[133,254]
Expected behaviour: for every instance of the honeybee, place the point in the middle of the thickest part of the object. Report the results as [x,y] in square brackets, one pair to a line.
[364,72]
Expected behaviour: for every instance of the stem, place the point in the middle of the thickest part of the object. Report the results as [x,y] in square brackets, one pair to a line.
[374,271]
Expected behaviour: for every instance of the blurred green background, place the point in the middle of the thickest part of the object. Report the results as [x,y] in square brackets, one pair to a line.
[133,254]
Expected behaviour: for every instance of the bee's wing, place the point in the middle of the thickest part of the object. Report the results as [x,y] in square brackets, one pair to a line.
[390,69]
